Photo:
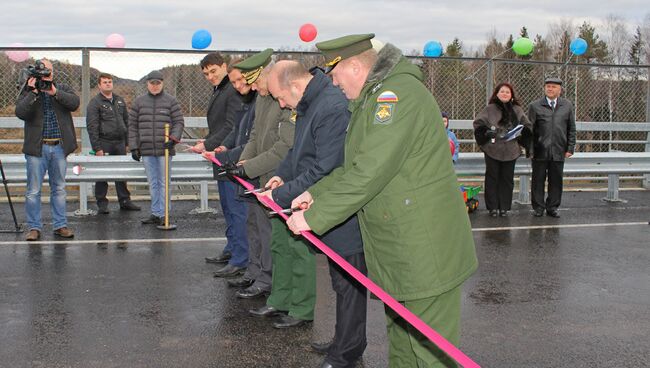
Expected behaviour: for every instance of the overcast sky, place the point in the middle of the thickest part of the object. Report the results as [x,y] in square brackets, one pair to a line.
[256,24]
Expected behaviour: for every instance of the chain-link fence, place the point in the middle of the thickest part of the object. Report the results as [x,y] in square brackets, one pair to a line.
[600,93]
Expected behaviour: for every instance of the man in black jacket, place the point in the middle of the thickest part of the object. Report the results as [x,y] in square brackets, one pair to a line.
[50,137]
[224,106]
[107,118]
[554,140]
[322,120]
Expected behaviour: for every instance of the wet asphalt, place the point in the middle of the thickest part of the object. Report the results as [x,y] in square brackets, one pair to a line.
[548,293]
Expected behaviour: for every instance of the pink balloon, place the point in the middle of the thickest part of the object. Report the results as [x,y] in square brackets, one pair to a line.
[17,55]
[115,40]
[307,32]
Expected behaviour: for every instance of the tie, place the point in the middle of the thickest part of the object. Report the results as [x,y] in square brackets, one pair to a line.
[553,105]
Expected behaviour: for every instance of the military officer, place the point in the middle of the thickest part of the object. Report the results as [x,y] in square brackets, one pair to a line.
[269,142]
[398,177]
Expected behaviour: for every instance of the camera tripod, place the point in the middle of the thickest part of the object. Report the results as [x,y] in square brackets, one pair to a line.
[11,205]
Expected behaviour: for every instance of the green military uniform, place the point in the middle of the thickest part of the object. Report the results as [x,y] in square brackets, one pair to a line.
[268,144]
[398,177]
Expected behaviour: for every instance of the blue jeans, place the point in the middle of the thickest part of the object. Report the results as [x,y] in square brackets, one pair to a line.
[235,212]
[154,166]
[53,162]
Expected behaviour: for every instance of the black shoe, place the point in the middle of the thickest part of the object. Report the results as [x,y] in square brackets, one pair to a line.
[538,213]
[241,282]
[288,322]
[229,271]
[153,219]
[325,364]
[251,292]
[494,213]
[129,206]
[103,208]
[504,213]
[321,347]
[553,213]
[221,258]
[266,311]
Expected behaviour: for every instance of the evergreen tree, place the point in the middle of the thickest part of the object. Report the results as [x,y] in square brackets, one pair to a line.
[596,48]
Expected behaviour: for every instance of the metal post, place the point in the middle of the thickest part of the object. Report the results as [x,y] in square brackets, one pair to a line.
[524,189]
[612,189]
[489,81]
[85,97]
[646,177]
[83,200]
[204,200]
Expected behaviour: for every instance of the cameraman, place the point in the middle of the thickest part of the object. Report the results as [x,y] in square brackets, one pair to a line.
[106,119]
[49,138]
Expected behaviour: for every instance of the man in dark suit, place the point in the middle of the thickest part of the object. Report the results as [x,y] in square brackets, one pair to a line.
[223,109]
[554,139]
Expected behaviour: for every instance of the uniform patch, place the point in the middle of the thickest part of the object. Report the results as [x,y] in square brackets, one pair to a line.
[294,116]
[387,96]
[384,113]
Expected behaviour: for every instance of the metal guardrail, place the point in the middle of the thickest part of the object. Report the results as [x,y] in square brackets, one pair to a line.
[193,168]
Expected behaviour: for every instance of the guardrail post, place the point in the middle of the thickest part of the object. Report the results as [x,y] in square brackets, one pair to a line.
[646,177]
[83,200]
[85,98]
[612,189]
[204,200]
[524,190]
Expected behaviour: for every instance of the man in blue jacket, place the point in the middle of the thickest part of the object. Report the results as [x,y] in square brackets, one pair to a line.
[322,118]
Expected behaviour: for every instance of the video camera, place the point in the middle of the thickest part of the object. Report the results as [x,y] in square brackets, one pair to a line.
[38,71]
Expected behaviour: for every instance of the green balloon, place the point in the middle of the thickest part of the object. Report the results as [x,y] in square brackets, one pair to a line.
[523,46]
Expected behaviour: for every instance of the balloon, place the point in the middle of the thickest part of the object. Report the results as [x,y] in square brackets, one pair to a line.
[115,40]
[17,55]
[432,49]
[76,169]
[201,39]
[307,32]
[452,147]
[523,46]
[578,46]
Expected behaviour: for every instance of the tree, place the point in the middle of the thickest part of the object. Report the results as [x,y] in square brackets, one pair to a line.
[635,54]
[596,48]
[617,38]
[454,49]
[542,51]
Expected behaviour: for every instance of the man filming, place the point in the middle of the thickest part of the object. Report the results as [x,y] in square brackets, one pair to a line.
[50,137]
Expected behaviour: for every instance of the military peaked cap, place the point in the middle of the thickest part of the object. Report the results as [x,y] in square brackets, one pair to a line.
[344,47]
[252,67]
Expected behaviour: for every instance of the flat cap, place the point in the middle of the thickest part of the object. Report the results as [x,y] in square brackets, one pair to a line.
[344,47]
[252,67]
[156,74]
[553,80]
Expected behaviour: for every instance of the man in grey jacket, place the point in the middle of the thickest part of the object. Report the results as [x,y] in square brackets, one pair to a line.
[147,118]
[554,140]
[107,118]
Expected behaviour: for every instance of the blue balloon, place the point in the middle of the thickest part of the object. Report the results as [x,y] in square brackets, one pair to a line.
[432,49]
[201,39]
[578,46]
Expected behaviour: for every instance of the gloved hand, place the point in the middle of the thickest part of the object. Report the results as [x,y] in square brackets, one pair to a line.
[235,170]
[135,154]
[169,144]
[491,133]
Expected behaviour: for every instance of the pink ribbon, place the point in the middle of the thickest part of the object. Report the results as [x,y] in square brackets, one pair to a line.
[414,320]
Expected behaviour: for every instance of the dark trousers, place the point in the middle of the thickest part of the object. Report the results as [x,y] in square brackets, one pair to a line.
[499,182]
[259,246]
[553,170]
[349,340]
[235,212]
[101,187]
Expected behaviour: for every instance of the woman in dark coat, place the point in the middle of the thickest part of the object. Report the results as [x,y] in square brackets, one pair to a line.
[501,115]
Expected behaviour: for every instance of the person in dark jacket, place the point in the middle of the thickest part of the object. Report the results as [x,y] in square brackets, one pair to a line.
[224,106]
[269,142]
[321,124]
[228,154]
[107,119]
[554,140]
[147,119]
[502,114]
[49,138]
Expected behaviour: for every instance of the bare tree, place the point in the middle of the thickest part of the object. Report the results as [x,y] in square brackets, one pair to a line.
[645,36]
[556,38]
[617,38]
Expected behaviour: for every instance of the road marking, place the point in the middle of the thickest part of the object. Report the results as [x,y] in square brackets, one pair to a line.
[115,241]
[537,227]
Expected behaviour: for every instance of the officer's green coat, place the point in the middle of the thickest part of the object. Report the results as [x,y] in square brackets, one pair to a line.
[398,175]
[270,139]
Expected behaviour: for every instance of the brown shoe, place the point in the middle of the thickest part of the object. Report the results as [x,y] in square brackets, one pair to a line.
[33,235]
[64,232]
